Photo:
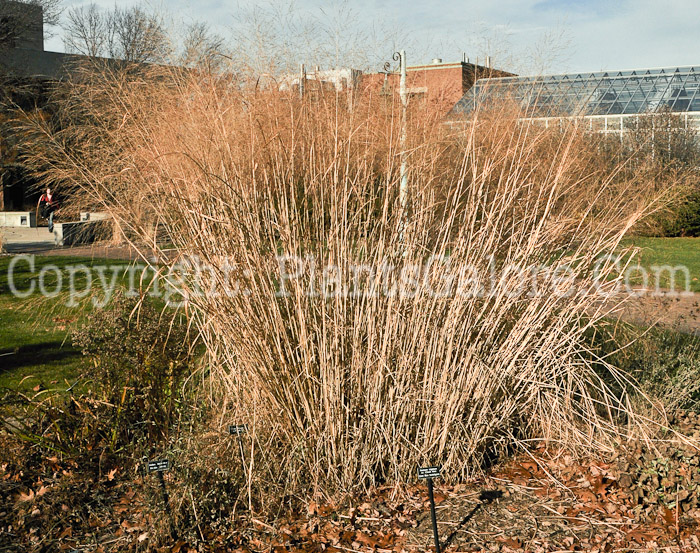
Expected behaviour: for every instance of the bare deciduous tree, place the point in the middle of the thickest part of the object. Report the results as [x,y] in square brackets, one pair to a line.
[136,35]
[129,34]
[87,31]
[201,47]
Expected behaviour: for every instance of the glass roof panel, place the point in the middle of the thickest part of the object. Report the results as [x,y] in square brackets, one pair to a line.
[602,93]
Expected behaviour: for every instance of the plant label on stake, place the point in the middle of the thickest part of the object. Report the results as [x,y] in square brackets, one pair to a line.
[428,473]
[159,466]
[238,430]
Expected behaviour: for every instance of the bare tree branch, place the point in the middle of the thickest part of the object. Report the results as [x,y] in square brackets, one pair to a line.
[87,31]
[129,34]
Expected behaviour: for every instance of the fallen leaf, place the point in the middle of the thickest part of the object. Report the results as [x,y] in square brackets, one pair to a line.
[510,542]
[669,516]
[642,537]
[26,496]
[364,539]
[131,527]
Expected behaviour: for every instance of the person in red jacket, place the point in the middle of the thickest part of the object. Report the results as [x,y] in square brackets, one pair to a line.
[47,206]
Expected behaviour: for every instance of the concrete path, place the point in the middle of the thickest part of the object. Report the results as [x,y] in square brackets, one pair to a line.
[27,240]
[39,241]
[675,311]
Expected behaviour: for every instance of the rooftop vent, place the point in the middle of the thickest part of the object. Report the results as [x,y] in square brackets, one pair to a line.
[437,61]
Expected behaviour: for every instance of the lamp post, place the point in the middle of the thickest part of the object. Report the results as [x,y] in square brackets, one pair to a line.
[302,80]
[400,56]
[403,94]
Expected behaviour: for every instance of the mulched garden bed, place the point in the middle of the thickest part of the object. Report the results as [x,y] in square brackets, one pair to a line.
[644,498]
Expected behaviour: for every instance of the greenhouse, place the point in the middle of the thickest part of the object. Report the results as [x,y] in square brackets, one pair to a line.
[606,98]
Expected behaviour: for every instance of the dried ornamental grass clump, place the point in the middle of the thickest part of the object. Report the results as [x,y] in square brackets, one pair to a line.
[360,328]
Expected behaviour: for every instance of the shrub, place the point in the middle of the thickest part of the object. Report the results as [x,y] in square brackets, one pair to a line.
[131,397]
[139,357]
[666,363]
[683,218]
[662,149]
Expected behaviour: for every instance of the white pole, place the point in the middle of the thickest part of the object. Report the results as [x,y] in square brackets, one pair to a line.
[403,93]
[302,80]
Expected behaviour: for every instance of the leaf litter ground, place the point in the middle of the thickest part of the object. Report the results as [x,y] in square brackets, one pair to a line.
[640,499]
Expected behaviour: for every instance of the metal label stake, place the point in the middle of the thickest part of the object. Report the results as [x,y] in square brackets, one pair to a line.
[238,430]
[428,473]
[159,466]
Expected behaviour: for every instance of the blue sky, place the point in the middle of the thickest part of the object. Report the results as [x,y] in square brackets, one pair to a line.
[521,35]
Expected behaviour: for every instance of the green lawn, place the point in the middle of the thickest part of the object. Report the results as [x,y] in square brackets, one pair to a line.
[35,343]
[656,252]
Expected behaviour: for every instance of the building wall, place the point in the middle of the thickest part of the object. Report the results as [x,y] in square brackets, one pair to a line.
[28,18]
[343,78]
[442,84]
[26,63]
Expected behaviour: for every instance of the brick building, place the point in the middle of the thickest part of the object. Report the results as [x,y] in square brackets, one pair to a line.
[438,82]
[441,83]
